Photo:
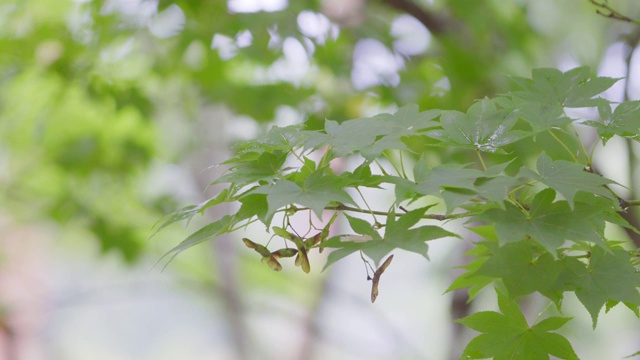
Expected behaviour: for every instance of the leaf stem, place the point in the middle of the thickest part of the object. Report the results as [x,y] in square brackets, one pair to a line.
[543,311]
[384,172]
[439,217]
[327,151]
[484,166]
[386,155]
[402,165]
[367,204]
[575,159]
[584,149]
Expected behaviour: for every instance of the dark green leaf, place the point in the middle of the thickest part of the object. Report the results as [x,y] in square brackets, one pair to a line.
[608,276]
[508,336]
[205,233]
[522,273]
[316,193]
[567,178]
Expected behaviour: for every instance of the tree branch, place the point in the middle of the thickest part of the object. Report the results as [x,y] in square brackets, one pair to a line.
[606,10]
[439,23]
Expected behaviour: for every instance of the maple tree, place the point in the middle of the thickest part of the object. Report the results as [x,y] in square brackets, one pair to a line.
[540,215]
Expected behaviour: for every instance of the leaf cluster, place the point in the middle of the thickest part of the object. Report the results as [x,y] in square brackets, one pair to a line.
[540,215]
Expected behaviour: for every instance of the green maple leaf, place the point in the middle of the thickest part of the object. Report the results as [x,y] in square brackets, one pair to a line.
[370,137]
[251,167]
[522,272]
[431,181]
[491,184]
[471,278]
[407,121]
[318,190]
[483,127]
[574,88]
[361,176]
[253,205]
[507,336]
[625,121]
[607,276]
[277,138]
[541,116]
[549,223]
[188,212]
[207,232]
[495,189]
[398,235]
[567,178]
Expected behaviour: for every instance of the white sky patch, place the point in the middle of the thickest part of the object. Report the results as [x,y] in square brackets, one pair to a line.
[286,115]
[613,65]
[118,50]
[294,66]
[634,72]
[244,39]
[242,127]
[79,22]
[374,64]
[228,47]
[274,37]
[139,12]
[253,6]
[317,26]
[225,45]
[412,38]
[168,23]
[195,54]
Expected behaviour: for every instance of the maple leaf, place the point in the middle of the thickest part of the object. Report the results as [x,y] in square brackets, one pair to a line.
[508,336]
[317,192]
[523,273]
[277,138]
[625,121]
[567,178]
[370,137]
[607,276]
[574,88]
[253,167]
[483,127]
[546,221]
[431,181]
[399,234]
[205,233]
[541,116]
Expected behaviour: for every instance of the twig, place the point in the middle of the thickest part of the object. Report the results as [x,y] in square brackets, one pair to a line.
[606,10]
[436,23]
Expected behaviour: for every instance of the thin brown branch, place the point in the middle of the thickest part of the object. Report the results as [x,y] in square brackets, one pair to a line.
[606,10]
[440,217]
[437,23]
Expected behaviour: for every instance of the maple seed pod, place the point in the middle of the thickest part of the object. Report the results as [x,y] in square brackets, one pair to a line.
[376,278]
[314,240]
[288,252]
[302,260]
[272,263]
[260,249]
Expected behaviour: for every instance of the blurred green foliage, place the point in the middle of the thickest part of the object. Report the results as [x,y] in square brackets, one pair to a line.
[83,84]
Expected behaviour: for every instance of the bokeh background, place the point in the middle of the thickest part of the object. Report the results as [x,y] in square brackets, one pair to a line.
[114,113]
